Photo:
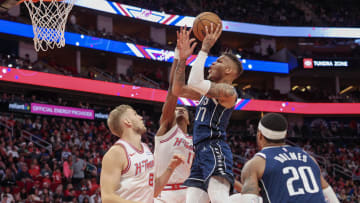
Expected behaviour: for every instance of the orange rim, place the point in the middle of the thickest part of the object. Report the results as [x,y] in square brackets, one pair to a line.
[21,1]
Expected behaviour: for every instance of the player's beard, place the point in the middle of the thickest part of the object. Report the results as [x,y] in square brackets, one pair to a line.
[140,129]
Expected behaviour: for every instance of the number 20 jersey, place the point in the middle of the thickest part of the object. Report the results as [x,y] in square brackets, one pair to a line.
[290,175]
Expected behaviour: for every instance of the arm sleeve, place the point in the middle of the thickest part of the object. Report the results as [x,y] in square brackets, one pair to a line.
[196,79]
[330,195]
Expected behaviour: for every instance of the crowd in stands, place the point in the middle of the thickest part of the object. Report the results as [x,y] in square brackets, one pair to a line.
[69,172]
[270,12]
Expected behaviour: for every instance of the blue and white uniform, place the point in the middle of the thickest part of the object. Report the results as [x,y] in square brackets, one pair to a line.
[290,175]
[213,156]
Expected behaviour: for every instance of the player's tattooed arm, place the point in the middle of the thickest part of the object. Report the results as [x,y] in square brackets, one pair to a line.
[251,174]
[249,180]
[223,92]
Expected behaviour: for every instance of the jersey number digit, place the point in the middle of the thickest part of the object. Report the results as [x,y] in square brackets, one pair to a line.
[305,173]
[190,158]
[202,110]
[151,179]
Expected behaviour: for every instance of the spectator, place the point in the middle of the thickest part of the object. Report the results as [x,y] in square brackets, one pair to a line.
[6,196]
[83,195]
[46,170]
[96,198]
[9,178]
[78,168]
[34,170]
[67,165]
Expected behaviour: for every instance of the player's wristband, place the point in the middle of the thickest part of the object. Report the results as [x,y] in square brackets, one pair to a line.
[249,198]
[176,54]
[330,195]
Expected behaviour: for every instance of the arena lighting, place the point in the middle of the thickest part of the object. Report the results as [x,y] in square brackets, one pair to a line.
[294,87]
[231,26]
[346,89]
[134,92]
[136,50]
[246,87]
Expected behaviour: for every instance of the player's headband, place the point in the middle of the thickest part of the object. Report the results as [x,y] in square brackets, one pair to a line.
[271,134]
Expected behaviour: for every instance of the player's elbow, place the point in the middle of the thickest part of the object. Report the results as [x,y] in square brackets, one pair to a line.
[106,199]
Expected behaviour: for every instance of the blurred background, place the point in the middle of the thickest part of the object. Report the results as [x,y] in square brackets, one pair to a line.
[121,52]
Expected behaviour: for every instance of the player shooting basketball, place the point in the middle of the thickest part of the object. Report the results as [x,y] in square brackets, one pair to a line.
[211,173]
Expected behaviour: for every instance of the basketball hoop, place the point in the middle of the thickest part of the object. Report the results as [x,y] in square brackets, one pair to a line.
[49,18]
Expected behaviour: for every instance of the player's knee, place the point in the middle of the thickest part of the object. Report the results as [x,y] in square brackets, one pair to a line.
[194,194]
[219,188]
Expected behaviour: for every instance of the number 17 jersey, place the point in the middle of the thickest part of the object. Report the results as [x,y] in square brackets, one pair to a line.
[211,120]
[290,175]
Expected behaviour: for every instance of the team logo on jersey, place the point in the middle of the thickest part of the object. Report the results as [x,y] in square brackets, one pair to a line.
[144,165]
[184,142]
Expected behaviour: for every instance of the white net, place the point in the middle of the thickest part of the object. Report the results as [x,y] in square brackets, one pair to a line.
[49,19]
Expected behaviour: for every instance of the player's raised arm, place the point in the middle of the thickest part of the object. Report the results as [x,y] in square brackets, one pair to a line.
[113,163]
[168,110]
[220,90]
[250,175]
[186,47]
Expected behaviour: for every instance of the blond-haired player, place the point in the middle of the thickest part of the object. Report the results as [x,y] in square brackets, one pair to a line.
[127,173]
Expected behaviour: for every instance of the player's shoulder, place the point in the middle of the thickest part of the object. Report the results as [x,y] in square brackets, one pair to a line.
[115,151]
[255,162]
[164,131]
[255,165]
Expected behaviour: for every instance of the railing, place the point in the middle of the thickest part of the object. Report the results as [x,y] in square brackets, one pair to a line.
[344,171]
[36,140]
[11,128]
[141,79]
[48,146]
[326,163]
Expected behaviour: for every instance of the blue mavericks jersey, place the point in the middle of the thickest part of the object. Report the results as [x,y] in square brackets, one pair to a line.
[290,176]
[211,120]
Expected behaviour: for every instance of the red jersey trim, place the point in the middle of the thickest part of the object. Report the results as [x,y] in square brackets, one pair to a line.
[175,186]
[171,136]
[134,148]
[127,157]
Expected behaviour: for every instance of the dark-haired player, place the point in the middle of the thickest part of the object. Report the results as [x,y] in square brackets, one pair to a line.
[284,173]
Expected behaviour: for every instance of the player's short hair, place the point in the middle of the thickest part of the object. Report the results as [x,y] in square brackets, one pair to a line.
[273,127]
[113,120]
[234,58]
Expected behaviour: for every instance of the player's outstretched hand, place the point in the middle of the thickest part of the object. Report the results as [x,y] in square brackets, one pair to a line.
[176,160]
[212,35]
[184,44]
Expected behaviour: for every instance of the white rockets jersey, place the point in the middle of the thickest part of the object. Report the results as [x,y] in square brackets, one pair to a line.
[137,180]
[175,141]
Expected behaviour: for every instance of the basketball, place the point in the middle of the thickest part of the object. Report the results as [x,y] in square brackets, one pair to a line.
[202,20]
